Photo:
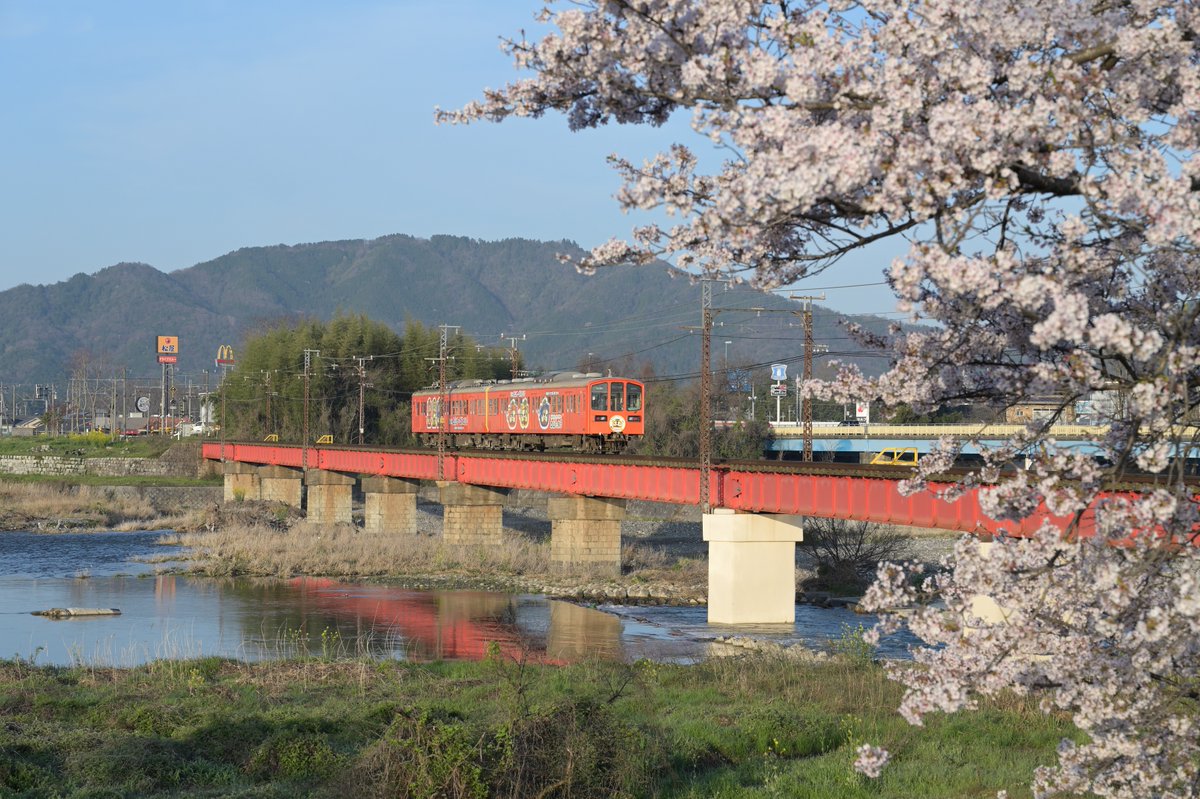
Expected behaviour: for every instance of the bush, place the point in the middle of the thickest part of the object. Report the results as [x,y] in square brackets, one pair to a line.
[846,553]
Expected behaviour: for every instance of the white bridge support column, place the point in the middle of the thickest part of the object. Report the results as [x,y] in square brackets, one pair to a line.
[390,505]
[329,496]
[241,481]
[585,533]
[281,484]
[751,566]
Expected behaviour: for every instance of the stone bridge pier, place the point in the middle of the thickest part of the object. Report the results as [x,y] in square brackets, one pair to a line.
[329,496]
[241,481]
[281,484]
[472,515]
[585,532]
[390,505]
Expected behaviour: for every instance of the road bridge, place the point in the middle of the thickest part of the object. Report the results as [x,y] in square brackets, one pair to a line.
[868,439]
[758,506]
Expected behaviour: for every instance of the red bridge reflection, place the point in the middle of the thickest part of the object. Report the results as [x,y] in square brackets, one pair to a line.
[462,625]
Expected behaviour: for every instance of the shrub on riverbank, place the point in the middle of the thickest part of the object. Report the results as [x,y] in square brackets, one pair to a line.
[735,727]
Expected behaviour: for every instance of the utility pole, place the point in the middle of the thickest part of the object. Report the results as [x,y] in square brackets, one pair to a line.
[362,386]
[808,353]
[270,421]
[443,395]
[706,323]
[308,356]
[512,351]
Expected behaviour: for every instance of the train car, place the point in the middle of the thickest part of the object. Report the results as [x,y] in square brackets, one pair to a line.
[574,411]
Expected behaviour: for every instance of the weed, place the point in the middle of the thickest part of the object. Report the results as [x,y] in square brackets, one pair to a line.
[851,645]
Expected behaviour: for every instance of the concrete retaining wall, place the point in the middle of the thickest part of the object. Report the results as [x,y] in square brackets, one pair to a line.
[165,499]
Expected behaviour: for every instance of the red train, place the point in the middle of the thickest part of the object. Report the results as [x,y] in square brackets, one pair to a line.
[583,413]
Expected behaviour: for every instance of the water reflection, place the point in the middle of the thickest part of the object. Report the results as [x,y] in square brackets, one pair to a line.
[180,616]
[176,616]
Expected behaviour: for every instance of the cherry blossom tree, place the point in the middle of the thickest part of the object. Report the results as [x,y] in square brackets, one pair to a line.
[1038,157]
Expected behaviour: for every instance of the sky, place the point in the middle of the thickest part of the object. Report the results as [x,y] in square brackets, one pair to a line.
[174,133]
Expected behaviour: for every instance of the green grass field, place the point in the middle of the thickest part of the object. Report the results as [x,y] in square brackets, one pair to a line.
[744,727]
[87,445]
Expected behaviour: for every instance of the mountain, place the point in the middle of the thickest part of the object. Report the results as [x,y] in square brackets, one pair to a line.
[621,317]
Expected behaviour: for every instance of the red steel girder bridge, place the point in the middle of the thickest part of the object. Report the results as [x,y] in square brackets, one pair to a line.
[842,491]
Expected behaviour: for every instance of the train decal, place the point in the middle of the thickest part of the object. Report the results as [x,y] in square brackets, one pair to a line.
[544,413]
[616,424]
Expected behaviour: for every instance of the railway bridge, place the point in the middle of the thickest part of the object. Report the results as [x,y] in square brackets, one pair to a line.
[752,529]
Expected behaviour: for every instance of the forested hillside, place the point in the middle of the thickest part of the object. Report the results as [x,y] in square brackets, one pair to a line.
[623,318]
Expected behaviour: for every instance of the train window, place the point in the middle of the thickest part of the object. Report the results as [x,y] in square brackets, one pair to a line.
[493,407]
[617,397]
[633,397]
[600,397]
[556,404]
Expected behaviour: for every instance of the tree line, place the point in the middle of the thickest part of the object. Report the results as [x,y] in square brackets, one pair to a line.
[348,357]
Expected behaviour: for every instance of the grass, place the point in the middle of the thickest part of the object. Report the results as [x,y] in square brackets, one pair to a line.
[745,727]
[284,548]
[86,445]
[98,480]
[52,504]
[345,551]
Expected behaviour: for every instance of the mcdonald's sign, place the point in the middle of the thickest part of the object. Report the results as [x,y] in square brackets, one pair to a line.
[224,355]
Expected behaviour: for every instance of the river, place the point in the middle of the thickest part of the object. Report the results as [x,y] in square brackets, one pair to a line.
[171,615]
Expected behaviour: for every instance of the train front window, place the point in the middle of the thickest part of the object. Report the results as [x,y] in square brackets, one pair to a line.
[633,397]
[617,397]
[600,397]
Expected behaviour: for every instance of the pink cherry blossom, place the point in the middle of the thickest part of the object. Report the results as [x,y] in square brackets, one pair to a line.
[1039,157]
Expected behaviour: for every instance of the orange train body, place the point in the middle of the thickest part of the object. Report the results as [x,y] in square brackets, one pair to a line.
[582,413]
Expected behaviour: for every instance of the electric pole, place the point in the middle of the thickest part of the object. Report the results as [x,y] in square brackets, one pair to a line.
[808,353]
[362,386]
[706,323]
[512,351]
[443,395]
[308,356]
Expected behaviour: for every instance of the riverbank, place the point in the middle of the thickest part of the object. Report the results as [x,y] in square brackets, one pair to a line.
[746,726]
[664,557]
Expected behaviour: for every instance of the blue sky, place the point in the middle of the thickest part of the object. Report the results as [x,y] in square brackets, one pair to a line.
[173,133]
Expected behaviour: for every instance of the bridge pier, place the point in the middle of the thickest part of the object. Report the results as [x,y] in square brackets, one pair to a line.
[390,505]
[586,532]
[241,481]
[329,496]
[281,484]
[751,566]
[472,515]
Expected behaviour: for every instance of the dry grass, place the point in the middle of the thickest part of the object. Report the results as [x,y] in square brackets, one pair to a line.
[346,551]
[26,505]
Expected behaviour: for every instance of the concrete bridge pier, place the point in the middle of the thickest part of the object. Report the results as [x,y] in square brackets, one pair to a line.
[281,484]
[586,532]
[241,481]
[472,515]
[390,505]
[751,566]
[329,496]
